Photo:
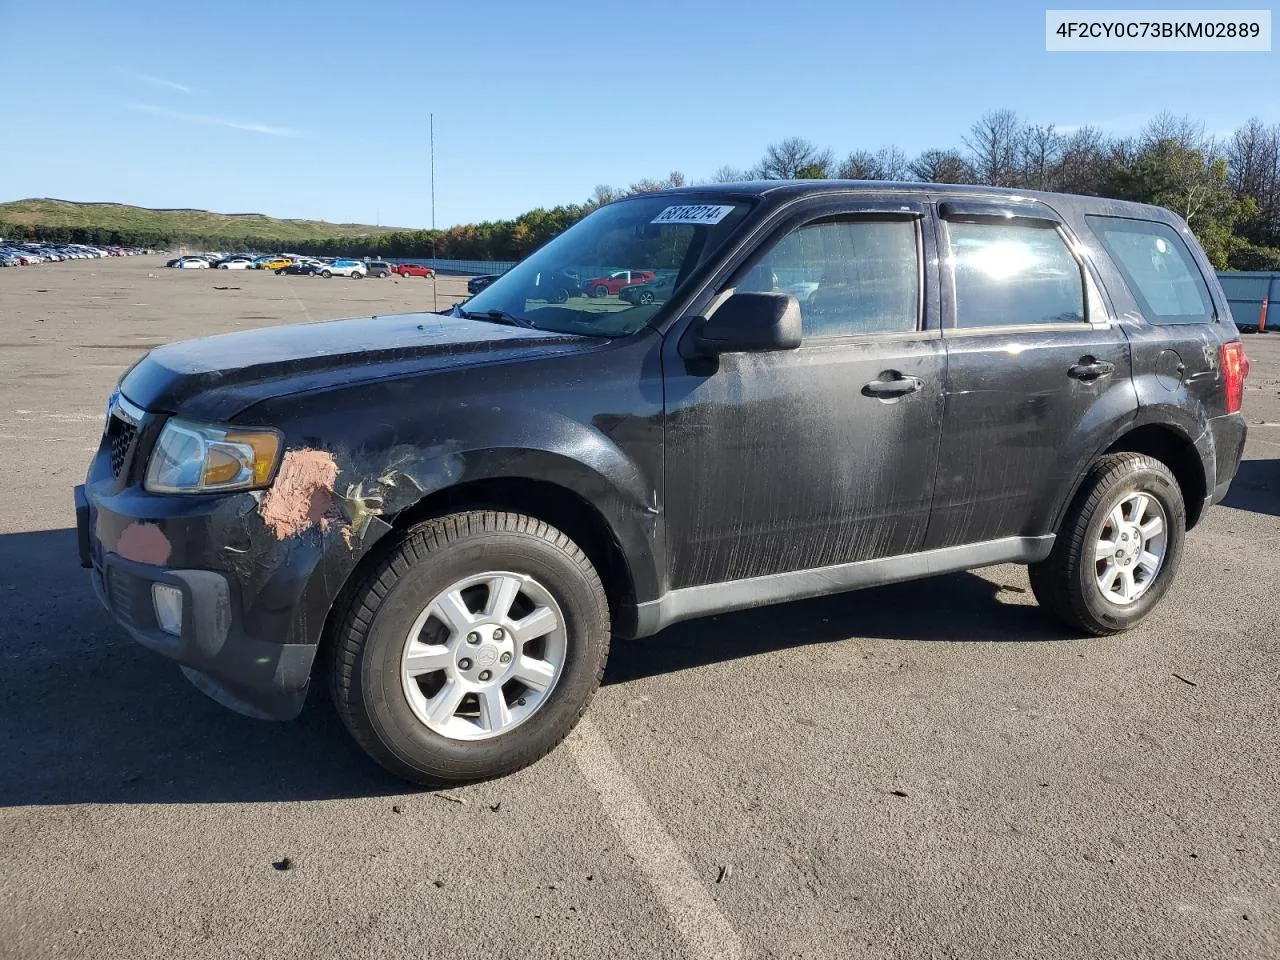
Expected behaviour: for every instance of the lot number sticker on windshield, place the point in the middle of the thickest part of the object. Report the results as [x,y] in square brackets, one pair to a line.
[694,213]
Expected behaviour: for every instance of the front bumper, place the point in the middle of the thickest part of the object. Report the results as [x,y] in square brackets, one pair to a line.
[255,677]
[254,603]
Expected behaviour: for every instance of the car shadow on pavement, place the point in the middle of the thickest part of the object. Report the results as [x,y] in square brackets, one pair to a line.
[1256,487]
[959,608]
[92,717]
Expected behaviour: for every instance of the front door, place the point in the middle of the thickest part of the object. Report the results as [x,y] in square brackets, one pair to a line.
[825,454]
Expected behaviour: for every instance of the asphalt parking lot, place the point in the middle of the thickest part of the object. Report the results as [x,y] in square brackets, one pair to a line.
[926,770]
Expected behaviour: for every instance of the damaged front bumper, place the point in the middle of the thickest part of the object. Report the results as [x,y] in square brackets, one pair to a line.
[254,602]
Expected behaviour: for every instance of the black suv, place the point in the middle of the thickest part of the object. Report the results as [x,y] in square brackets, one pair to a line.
[448,517]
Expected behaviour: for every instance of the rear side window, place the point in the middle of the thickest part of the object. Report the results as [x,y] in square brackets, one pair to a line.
[1158,268]
[1010,275]
[852,277]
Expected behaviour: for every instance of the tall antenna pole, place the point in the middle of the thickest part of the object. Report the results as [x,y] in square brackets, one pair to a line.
[433,170]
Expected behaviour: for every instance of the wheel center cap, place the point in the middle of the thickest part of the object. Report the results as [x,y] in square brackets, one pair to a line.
[486,655]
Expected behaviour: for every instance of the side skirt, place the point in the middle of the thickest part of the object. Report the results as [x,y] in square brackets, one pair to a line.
[690,602]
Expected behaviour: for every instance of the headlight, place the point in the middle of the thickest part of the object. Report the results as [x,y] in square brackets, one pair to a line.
[201,458]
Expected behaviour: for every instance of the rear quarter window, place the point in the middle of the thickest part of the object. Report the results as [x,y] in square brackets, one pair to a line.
[1158,268]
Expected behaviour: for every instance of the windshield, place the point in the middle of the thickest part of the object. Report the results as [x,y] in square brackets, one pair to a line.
[610,274]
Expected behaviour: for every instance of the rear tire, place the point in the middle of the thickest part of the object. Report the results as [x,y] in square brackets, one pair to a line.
[326,274]
[1068,584]
[600,291]
[390,614]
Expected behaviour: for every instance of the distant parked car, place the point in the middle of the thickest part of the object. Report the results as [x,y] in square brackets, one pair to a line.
[301,268]
[192,263]
[413,270]
[476,284]
[614,282]
[344,268]
[640,293]
[274,263]
[234,263]
[557,286]
[380,269]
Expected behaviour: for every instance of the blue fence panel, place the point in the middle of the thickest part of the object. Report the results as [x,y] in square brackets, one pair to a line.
[1250,294]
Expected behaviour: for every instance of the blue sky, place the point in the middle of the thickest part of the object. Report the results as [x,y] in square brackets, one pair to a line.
[319,109]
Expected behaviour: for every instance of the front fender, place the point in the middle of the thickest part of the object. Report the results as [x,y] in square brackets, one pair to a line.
[374,484]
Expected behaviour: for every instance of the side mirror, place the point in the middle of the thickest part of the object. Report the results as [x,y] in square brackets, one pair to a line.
[751,323]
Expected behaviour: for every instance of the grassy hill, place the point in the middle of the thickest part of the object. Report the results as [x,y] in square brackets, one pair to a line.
[202,223]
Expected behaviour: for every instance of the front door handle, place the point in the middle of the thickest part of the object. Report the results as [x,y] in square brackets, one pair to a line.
[889,389]
[1090,369]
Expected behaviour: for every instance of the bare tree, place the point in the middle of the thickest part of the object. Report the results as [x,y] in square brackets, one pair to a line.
[1253,162]
[727,174]
[794,158]
[941,166]
[893,163]
[1082,161]
[1185,132]
[602,194]
[887,163]
[860,165]
[1039,149]
[993,148]
[674,179]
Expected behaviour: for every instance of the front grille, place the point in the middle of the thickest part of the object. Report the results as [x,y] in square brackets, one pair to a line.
[120,434]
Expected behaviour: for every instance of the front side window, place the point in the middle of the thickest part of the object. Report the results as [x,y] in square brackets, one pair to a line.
[1158,268]
[582,281]
[853,277]
[1010,275]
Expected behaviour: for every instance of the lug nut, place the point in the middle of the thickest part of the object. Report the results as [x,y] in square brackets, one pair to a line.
[464,664]
[473,637]
[505,658]
[499,633]
[485,674]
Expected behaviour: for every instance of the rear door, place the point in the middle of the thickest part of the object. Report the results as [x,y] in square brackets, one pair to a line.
[1037,371]
[1164,276]
[806,458]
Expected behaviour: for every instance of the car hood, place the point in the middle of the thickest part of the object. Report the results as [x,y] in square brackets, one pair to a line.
[216,377]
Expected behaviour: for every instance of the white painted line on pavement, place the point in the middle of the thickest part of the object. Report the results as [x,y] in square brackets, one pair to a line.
[695,914]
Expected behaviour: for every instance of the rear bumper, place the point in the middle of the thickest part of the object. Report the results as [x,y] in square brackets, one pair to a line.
[1228,434]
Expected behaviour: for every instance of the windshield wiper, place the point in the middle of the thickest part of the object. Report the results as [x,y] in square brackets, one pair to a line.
[499,316]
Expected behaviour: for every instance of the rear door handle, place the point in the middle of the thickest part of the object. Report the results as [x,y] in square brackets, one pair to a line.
[1090,369]
[889,389]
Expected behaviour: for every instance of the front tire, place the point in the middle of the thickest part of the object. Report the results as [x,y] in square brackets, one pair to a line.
[600,291]
[471,649]
[1118,548]
[326,274]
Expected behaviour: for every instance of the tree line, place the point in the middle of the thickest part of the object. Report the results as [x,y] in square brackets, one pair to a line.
[1226,188]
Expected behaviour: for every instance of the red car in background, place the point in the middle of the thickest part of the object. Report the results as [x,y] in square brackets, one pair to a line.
[603,286]
[413,270]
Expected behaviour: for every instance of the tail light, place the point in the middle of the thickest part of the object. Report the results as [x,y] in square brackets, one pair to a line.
[1236,367]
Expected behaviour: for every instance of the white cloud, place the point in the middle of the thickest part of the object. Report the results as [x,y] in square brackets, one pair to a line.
[1126,124]
[159,82]
[209,121]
